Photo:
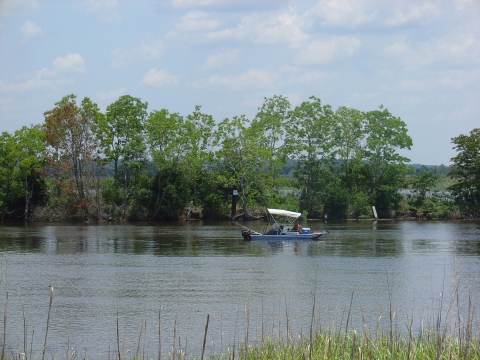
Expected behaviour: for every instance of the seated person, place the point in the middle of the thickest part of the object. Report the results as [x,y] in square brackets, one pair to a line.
[274,230]
[297,227]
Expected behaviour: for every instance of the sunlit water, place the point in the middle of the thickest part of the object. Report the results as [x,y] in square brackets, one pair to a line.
[175,274]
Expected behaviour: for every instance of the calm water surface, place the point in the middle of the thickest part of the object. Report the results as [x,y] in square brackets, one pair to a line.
[175,274]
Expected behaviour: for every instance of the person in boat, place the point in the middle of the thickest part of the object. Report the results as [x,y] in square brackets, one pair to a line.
[297,227]
[274,230]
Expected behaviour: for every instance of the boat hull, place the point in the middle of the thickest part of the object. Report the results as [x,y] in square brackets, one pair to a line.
[284,237]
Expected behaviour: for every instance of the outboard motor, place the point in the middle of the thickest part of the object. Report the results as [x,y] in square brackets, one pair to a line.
[247,235]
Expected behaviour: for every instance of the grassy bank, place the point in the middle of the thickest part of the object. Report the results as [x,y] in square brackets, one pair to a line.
[324,345]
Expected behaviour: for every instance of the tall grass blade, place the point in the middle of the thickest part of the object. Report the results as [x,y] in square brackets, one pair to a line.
[118,339]
[159,333]
[140,336]
[48,321]
[5,326]
[205,336]
[68,340]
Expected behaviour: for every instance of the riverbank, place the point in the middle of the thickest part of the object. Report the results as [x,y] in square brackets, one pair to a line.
[113,214]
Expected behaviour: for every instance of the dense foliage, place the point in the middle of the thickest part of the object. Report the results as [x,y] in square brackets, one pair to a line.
[128,163]
[467,171]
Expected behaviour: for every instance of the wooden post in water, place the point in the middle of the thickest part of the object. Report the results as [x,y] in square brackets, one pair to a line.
[234,204]
[190,210]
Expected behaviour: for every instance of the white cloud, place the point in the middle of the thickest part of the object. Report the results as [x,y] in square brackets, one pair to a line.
[196,21]
[463,4]
[322,52]
[106,9]
[278,27]
[224,4]
[464,47]
[9,7]
[71,62]
[459,79]
[189,3]
[95,5]
[29,30]
[143,51]
[343,13]
[409,58]
[397,49]
[252,78]
[30,84]
[218,60]
[159,78]
[415,12]
[461,50]
[48,78]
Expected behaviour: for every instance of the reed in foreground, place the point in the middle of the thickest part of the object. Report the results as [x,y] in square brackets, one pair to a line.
[355,346]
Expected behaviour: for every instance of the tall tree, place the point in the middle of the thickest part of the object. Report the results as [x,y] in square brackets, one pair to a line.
[348,141]
[269,129]
[30,143]
[10,186]
[168,143]
[200,134]
[71,147]
[121,136]
[239,159]
[311,142]
[466,171]
[385,167]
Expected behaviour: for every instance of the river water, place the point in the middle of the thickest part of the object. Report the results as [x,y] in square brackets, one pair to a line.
[154,285]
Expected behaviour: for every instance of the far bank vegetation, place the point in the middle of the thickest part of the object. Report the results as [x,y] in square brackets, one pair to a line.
[131,164]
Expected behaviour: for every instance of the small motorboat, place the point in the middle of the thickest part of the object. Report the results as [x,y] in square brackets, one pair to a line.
[283,231]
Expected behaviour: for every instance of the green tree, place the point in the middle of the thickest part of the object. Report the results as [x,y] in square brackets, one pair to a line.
[30,144]
[200,134]
[121,136]
[385,168]
[466,171]
[269,130]
[168,144]
[5,171]
[422,183]
[348,141]
[312,144]
[239,159]
[12,186]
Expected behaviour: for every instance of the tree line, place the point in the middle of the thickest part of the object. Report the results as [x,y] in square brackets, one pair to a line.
[128,163]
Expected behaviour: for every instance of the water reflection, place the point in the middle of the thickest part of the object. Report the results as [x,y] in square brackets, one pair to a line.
[357,239]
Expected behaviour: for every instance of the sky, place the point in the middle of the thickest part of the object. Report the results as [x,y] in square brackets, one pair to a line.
[419,59]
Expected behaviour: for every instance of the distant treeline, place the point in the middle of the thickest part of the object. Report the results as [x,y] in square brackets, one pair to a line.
[128,163]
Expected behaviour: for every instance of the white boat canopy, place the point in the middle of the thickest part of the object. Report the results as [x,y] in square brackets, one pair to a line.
[284,213]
